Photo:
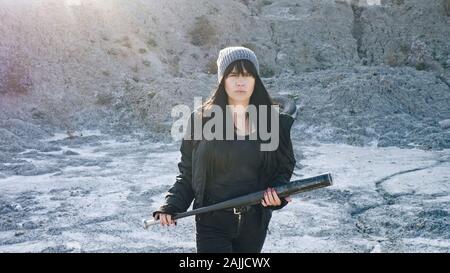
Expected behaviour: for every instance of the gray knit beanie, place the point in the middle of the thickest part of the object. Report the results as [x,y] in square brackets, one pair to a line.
[231,54]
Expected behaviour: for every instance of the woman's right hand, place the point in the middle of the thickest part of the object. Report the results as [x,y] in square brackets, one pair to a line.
[165,219]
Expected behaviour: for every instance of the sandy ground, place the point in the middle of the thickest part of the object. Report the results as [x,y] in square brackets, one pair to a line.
[95,191]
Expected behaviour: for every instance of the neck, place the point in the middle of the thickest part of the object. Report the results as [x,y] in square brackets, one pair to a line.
[243,104]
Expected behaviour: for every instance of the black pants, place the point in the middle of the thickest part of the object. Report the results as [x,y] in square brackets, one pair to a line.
[220,232]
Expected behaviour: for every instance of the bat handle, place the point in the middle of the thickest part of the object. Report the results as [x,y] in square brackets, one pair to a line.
[150,222]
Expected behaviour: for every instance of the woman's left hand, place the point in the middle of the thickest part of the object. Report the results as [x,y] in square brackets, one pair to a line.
[271,198]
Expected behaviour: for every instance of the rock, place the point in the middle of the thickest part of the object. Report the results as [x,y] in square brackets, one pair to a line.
[9,142]
[7,207]
[31,225]
[23,129]
[303,38]
[401,106]
[19,233]
[48,148]
[58,249]
[447,7]
[445,124]
[70,152]
[399,33]
[54,232]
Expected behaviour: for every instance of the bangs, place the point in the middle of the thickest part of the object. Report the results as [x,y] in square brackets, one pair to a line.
[241,66]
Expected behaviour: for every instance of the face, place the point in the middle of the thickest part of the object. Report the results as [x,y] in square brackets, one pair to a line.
[239,88]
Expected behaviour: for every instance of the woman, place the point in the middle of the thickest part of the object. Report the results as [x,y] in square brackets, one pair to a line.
[216,170]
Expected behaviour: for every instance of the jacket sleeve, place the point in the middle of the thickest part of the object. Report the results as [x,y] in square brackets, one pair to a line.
[285,157]
[179,197]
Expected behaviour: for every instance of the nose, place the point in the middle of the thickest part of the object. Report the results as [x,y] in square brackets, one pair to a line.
[240,81]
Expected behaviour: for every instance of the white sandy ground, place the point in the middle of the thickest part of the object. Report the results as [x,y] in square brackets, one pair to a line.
[382,200]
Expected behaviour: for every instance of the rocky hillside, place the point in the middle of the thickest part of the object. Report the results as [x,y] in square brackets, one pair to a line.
[373,72]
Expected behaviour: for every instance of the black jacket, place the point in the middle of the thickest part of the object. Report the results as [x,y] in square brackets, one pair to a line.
[190,182]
